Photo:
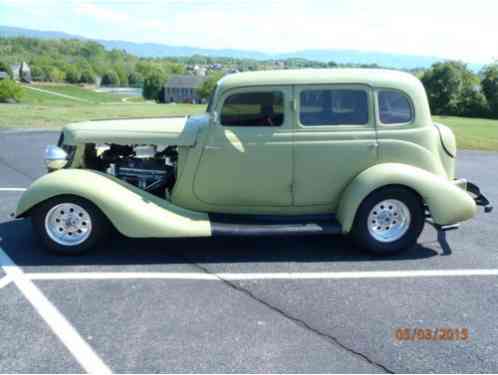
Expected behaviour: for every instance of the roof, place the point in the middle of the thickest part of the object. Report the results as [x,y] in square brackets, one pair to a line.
[185,81]
[373,77]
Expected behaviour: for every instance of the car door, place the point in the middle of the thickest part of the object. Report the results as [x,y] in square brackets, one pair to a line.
[247,157]
[335,140]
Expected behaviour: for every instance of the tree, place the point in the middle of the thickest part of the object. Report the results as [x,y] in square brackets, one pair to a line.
[153,84]
[110,78]
[452,89]
[473,103]
[72,74]
[490,87]
[4,67]
[55,75]
[38,74]
[443,85]
[122,75]
[207,87]
[135,79]
[88,76]
[10,91]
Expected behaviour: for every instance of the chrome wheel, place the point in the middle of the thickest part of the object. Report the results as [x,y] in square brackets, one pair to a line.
[68,224]
[389,220]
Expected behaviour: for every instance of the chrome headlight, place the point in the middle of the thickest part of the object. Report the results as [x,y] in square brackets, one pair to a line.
[55,157]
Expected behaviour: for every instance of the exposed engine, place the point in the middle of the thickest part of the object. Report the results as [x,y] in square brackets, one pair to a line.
[145,166]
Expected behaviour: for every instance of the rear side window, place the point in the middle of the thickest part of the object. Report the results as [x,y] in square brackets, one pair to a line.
[333,107]
[394,108]
[253,109]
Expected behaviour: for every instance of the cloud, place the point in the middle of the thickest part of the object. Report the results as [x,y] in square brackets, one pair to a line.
[101,13]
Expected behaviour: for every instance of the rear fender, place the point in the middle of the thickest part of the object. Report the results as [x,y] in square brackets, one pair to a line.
[134,212]
[448,203]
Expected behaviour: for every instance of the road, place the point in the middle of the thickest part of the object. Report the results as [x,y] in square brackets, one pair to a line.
[310,304]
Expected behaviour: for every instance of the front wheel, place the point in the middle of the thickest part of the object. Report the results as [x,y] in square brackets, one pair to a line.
[69,225]
[389,220]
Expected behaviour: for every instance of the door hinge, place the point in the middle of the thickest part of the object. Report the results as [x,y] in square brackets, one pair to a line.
[294,105]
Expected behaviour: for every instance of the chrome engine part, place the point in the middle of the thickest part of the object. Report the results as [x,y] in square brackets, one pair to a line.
[141,165]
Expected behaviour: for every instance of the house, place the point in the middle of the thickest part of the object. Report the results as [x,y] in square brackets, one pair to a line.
[181,89]
[4,75]
[21,72]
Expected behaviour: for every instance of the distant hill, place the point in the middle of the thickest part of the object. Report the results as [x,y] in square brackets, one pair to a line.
[341,56]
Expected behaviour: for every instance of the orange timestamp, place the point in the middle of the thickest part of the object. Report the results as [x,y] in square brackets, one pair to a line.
[431,334]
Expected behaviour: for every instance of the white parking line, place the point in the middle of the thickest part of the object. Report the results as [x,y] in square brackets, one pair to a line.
[13,189]
[83,353]
[259,276]
[5,281]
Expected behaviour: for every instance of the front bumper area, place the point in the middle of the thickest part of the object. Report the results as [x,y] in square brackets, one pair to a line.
[479,197]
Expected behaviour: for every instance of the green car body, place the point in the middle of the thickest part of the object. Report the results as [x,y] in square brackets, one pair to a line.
[292,170]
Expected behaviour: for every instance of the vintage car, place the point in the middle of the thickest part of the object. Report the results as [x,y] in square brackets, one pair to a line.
[341,151]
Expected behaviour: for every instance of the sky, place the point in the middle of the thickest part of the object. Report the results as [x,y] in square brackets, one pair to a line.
[454,29]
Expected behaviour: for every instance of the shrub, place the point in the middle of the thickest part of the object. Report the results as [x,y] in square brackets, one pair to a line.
[10,91]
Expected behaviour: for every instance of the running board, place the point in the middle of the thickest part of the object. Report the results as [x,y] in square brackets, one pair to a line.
[255,226]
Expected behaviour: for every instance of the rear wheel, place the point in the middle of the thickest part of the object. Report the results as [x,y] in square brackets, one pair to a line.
[69,225]
[389,220]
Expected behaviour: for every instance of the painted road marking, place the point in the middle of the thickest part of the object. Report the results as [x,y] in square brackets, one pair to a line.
[13,189]
[83,353]
[5,281]
[259,276]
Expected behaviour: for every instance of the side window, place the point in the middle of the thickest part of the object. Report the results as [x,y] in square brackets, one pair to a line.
[253,109]
[333,107]
[394,108]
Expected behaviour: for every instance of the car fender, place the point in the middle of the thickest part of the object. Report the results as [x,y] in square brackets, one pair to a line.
[448,203]
[134,212]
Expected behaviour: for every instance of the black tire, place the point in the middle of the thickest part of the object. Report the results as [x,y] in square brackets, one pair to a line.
[99,231]
[364,239]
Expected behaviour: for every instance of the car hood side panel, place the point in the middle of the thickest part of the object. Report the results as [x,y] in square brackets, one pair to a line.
[181,131]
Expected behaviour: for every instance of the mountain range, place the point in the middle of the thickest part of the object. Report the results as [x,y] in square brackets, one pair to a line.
[340,56]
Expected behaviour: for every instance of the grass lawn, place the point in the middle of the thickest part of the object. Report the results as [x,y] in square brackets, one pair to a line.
[472,133]
[90,96]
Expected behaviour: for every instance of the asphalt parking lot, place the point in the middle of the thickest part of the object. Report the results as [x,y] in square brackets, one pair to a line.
[310,304]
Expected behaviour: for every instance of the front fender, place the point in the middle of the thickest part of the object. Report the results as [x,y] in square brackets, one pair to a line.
[134,212]
[448,203]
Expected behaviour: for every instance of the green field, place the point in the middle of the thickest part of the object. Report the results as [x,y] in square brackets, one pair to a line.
[44,110]
[472,133]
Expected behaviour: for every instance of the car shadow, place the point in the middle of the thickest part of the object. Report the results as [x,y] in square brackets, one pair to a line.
[18,242]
